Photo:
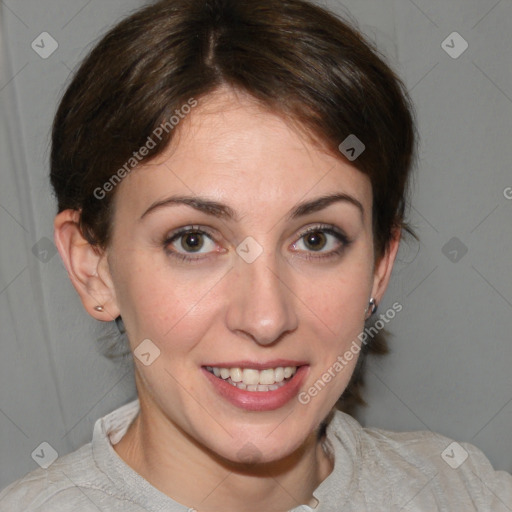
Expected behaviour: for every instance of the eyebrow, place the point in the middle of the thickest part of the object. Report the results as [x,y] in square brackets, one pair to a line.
[223,211]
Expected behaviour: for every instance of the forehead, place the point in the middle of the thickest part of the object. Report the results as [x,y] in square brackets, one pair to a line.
[231,149]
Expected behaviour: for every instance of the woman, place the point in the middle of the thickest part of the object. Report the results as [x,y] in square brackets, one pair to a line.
[231,180]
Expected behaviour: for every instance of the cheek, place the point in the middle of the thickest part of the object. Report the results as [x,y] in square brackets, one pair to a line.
[334,337]
[336,311]
[165,305]
[338,298]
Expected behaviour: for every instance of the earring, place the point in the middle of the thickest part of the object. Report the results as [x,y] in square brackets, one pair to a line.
[98,308]
[372,306]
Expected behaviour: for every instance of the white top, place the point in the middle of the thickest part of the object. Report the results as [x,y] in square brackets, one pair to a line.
[374,470]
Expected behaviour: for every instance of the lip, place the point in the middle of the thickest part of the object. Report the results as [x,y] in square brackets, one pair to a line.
[258,400]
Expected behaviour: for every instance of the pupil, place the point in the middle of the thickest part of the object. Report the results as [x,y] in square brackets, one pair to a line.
[316,241]
[192,241]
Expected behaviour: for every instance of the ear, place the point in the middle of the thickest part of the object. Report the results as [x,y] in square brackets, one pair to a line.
[87,267]
[384,266]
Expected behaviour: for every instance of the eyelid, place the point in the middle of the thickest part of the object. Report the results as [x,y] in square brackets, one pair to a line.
[175,235]
[323,227]
[170,238]
[329,229]
[193,228]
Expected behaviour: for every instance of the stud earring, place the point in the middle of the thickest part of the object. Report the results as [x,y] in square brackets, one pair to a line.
[98,308]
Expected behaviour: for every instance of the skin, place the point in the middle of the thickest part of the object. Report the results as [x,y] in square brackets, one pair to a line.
[187,441]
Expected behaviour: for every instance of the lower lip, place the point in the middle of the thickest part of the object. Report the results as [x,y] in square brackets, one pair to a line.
[258,400]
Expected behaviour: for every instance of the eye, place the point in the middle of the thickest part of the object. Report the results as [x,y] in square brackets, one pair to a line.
[186,242]
[327,241]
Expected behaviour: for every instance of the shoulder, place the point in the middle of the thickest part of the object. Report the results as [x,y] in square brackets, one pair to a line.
[421,466]
[89,479]
[56,488]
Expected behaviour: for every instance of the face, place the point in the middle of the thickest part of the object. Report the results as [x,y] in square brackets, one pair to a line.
[215,263]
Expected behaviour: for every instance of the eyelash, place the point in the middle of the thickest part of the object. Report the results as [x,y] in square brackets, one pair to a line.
[329,230]
[324,228]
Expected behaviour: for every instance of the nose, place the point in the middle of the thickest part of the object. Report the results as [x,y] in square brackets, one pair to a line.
[261,301]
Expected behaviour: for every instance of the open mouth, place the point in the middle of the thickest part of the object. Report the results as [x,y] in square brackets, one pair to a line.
[250,379]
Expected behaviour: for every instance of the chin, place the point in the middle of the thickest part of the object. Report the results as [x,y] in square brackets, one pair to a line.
[258,445]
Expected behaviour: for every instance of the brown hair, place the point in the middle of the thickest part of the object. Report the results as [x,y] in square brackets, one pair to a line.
[295,58]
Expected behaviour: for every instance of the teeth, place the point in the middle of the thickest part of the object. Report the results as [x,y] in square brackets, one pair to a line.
[235,374]
[250,377]
[254,380]
[267,376]
[279,374]
[288,372]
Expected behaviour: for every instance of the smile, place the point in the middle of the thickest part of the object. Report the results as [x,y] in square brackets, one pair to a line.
[266,388]
[250,379]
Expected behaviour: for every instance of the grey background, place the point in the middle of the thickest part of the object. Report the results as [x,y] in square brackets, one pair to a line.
[450,366]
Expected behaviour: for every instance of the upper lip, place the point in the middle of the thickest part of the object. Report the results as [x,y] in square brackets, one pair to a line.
[275,363]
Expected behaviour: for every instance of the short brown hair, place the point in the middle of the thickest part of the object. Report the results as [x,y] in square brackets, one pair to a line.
[295,58]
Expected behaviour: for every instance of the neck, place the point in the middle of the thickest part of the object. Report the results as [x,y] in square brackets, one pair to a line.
[174,463]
